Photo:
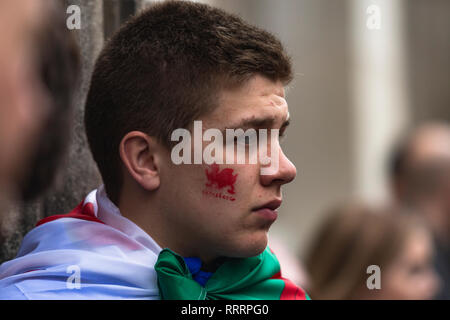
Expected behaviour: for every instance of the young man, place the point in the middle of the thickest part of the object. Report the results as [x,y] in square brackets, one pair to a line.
[176,63]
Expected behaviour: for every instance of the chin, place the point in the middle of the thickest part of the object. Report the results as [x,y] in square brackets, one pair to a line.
[250,247]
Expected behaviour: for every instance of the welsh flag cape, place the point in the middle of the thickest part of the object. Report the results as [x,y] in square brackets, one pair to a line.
[115,259]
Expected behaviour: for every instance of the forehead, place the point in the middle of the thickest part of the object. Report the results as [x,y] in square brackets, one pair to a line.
[431,143]
[258,98]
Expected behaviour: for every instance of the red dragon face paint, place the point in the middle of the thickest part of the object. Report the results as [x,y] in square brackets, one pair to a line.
[220,179]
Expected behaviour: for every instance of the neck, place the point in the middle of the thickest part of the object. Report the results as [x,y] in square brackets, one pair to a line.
[213,265]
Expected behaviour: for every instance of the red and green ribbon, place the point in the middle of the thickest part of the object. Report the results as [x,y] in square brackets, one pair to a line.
[254,278]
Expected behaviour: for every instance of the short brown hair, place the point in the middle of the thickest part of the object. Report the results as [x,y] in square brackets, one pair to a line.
[164,68]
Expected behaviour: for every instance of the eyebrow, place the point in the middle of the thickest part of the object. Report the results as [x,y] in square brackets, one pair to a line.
[254,122]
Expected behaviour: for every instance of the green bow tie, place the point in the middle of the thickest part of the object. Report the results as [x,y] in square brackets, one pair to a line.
[252,278]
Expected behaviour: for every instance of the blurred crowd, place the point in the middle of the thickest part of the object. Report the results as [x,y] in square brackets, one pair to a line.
[407,238]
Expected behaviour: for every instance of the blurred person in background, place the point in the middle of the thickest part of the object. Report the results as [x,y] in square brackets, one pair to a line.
[420,175]
[354,237]
[23,106]
[39,62]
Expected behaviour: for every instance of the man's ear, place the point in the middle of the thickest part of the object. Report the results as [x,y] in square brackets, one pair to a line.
[139,154]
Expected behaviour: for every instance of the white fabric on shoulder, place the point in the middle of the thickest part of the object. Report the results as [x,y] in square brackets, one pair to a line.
[71,258]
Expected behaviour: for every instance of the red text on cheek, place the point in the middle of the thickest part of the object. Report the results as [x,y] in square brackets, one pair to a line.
[220,179]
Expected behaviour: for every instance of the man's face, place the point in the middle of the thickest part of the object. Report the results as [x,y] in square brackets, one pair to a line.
[22,99]
[227,210]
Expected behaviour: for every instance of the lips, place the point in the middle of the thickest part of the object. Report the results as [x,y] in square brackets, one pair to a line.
[272,205]
[268,211]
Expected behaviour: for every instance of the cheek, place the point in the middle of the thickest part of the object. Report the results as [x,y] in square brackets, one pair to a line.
[181,184]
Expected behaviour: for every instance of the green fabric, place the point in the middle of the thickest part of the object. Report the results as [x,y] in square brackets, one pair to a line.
[235,279]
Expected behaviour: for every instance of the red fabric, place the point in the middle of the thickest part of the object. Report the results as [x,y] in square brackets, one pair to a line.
[80,212]
[290,291]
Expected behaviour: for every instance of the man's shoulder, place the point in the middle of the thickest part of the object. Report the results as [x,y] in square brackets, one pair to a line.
[72,231]
[77,274]
[80,230]
[45,285]
[83,211]
[71,257]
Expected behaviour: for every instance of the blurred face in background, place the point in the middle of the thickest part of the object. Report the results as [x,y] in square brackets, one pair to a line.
[23,103]
[423,179]
[411,275]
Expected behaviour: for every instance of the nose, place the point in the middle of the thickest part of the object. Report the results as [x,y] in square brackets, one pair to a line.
[285,173]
